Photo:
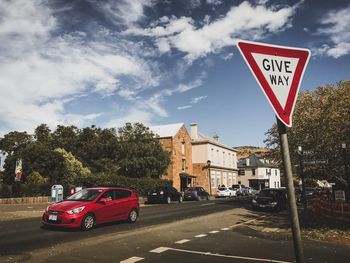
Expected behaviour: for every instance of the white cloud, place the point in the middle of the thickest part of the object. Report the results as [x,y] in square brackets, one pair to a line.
[124,12]
[192,102]
[243,21]
[133,115]
[214,2]
[198,99]
[336,25]
[40,71]
[184,107]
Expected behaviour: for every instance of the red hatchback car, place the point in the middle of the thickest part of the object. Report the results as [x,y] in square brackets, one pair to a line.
[93,206]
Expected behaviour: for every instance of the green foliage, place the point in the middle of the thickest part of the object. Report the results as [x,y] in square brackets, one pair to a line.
[140,152]
[321,123]
[73,168]
[68,154]
[36,178]
[5,191]
[140,185]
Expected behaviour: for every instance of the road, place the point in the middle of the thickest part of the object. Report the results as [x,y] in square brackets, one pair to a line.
[222,230]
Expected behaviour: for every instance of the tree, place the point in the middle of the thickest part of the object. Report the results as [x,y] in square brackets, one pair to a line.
[14,141]
[73,168]
[140,153]
[321,123]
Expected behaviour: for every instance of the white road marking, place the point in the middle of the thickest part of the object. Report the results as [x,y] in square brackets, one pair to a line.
[214,232]
[225,228]
[159,250]
[182,241]
[207,204]
[201,235]
[131,260]
[228,256]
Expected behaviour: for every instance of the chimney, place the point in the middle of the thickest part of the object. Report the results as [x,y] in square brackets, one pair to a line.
[194,131]
[216,138]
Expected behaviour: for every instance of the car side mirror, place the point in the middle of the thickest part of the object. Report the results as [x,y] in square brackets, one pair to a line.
[102,201]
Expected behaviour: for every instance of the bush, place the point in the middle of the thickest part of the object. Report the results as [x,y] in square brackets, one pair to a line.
[139,185]
[5,191]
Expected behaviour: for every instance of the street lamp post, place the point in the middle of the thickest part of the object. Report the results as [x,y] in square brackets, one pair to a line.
[344,150]
[303,192]
[209,176]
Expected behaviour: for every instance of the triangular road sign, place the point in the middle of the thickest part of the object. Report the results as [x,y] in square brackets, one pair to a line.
[279,71]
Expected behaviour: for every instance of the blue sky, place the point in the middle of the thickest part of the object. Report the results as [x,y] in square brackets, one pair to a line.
[157,62]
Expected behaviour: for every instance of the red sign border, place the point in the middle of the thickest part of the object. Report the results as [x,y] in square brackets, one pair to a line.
[247,48]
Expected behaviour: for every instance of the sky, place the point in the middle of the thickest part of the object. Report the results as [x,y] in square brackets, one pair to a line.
[108,62]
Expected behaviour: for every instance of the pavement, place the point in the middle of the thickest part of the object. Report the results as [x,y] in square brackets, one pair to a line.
[20,211]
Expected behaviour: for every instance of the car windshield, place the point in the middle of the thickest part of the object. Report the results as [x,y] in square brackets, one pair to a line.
[235,186]
[190,189]
[85,195]
[222,188]
[267,193]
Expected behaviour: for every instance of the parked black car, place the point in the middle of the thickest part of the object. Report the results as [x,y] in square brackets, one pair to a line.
[196,193]
[164,194]
[271,199]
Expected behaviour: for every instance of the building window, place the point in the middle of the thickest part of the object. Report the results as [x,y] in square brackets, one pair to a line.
[183,165]
[253,171]
[183,148]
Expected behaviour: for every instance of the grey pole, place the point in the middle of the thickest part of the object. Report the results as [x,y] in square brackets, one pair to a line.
[298,248]
[301,163]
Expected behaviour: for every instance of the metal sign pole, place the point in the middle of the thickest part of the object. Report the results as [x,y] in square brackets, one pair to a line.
[298,248]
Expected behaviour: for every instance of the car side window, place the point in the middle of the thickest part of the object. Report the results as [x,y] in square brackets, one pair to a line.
[108,195]
[120,194]
[173,190]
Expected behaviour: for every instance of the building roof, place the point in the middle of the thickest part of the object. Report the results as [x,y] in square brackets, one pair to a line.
[203,138]
[168,130]
[255,160]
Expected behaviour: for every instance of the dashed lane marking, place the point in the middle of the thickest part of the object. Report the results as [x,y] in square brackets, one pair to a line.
[131,260]
[225,228]
[208,204]
[159,250]
[182,241]
[214,232]
[201,235]
[220,255]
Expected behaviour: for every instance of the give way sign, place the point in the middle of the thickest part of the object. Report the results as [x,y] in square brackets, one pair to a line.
[279,71]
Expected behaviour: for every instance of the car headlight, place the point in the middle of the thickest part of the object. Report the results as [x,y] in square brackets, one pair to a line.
[75,210]
[47,208]
[273,203]
[254,201]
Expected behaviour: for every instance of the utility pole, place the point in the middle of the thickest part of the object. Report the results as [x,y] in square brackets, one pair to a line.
[301,171]
[298,248]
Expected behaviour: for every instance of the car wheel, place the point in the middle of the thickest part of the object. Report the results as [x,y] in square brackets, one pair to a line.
[180,199]
[133,216]
[168,200]
[88,222]
[207,197]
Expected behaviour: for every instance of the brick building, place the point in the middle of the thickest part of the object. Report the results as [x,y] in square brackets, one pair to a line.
[176,140]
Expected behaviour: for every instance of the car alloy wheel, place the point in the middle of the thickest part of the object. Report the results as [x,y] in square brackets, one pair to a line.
[180,199]
[88,222]
[168,200]
[133,216]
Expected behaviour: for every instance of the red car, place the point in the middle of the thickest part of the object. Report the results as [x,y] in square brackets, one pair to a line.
[93,206]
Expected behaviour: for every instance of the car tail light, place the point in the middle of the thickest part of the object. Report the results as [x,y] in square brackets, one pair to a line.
[161,192]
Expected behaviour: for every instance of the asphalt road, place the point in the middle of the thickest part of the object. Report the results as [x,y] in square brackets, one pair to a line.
[20,237]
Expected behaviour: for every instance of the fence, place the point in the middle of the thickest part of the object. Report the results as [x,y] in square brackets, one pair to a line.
[337,212]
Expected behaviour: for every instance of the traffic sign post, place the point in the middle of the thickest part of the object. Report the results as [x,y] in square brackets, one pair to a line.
[279,71]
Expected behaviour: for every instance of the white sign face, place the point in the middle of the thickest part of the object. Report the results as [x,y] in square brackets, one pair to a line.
[278,72]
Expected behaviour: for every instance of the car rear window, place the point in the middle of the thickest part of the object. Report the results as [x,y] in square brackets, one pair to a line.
[268,193]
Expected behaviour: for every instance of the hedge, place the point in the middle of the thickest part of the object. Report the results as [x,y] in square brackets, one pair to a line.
[140,185]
